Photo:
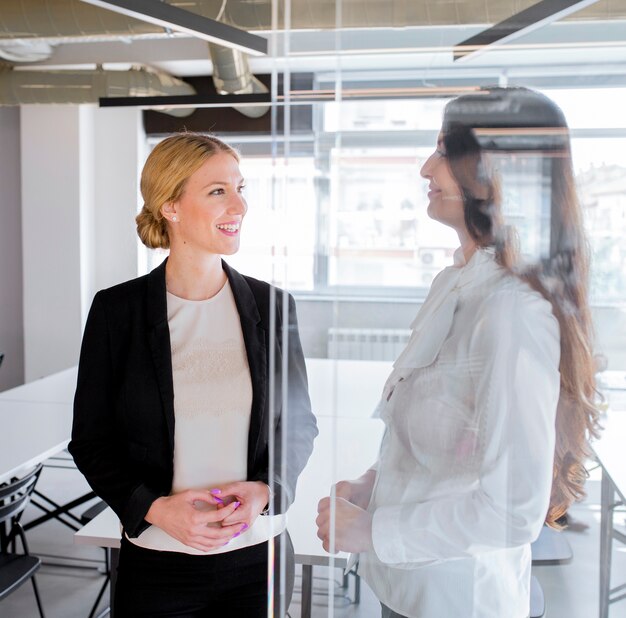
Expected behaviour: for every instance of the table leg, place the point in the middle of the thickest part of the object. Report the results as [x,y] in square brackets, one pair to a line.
[115,556]
[307,590]
[606,529]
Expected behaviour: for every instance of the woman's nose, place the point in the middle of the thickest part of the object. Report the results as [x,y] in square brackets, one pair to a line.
[426,170]
[238,204]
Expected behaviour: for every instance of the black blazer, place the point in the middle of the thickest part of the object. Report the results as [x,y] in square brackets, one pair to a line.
[123,430]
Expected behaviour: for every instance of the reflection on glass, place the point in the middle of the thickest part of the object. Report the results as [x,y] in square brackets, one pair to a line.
[489,407]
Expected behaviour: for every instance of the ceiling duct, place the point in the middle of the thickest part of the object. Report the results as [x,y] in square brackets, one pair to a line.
[76,87]
[29,27]
[232,75]
[19,50]
[57,20]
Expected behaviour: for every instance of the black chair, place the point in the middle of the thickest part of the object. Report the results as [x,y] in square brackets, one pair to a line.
[85,518]
[16,568]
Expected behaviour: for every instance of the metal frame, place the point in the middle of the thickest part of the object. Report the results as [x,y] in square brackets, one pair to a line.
[609,503]
[186,22]
[532,18]
[186,100]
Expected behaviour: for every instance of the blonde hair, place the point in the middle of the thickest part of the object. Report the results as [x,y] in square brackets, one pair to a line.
[164,177]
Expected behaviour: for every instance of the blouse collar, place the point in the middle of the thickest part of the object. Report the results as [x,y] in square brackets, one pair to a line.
[435,317]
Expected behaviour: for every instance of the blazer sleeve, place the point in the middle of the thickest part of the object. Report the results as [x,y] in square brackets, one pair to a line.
[294,424]
[98,448]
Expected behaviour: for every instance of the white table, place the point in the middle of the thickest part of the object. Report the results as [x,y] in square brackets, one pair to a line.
[55,388]
[345,388]
[36,422]
[32,431]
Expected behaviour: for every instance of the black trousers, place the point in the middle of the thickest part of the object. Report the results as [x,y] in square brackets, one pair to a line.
[155,584]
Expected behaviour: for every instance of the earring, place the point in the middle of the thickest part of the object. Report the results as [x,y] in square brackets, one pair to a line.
[174,218]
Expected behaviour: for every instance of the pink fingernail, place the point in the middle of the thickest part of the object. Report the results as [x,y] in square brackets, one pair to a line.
[216,491]
[244,527]
[236,535]
[218,499]
[237,504]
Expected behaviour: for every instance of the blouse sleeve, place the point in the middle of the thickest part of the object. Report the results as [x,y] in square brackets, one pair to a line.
[513,357]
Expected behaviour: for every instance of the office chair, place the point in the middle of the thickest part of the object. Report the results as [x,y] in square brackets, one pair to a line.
[16,568]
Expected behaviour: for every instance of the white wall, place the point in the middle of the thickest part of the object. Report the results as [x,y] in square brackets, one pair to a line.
[79,197]
[120,153]
[11,324]
[51,219]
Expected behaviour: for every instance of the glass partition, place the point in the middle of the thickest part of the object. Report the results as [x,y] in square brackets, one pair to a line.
[339,218]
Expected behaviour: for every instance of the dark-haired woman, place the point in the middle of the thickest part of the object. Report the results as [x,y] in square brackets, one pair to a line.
[489,408]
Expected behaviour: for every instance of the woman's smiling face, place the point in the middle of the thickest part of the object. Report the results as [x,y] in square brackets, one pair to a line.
[445,200]
[208,215]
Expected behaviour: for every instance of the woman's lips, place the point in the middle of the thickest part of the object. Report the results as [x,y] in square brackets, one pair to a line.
[229,229]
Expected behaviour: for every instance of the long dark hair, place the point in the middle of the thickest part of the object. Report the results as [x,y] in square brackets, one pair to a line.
[516,121]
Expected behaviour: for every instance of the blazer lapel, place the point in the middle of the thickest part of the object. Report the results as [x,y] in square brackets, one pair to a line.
[254,336]
[160,346]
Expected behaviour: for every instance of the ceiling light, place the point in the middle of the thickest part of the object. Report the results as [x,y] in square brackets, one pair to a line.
[532,18]
[179,20]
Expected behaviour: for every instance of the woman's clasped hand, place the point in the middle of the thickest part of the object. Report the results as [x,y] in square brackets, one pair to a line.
[209,519]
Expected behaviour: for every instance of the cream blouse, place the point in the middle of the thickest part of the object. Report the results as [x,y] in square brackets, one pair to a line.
[212,404]
[465,467]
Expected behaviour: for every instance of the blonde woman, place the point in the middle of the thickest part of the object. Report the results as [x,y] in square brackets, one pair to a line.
[489,408]
[172,416]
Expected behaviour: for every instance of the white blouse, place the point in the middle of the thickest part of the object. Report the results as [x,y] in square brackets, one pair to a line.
[465,467]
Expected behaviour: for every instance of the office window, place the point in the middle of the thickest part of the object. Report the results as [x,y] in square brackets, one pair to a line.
[279,231]
[380,234]
[347,216]
[601,176]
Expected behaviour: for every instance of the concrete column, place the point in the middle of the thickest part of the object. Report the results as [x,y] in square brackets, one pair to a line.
[11,321]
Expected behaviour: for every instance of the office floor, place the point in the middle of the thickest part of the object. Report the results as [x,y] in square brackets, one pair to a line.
[68,592]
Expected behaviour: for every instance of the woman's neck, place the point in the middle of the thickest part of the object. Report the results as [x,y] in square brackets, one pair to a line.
[468,244]
[194,279]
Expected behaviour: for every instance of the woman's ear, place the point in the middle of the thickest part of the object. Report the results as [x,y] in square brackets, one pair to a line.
[169,212]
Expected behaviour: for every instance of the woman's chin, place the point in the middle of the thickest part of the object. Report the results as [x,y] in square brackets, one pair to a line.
[433,211]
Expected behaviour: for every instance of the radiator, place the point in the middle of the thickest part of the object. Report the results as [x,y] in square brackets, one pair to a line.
[366,343]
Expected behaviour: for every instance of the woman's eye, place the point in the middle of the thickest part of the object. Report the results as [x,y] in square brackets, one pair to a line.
[440,153]
[241,189]
[217,192]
